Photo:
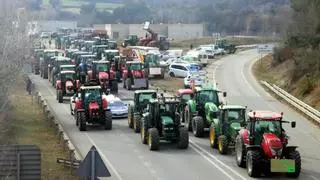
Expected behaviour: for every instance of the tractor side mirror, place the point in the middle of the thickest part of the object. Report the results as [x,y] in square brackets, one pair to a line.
[224,94]
[293,124]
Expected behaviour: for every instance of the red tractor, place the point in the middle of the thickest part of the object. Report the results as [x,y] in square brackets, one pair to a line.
[262,146]
[104,75]
[134,75]
[90,105]
[67,84]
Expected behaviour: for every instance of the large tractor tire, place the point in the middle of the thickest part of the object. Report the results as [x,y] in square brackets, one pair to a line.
[60,96]
[108,120]
[118,77]
[197,126]
[130,117]
[213,136]
[129,84]
[240,152]
[253,163]
[295,155]
[144,131]
[187,118]
[223,144]
[183,142]
[77,117]
[136,123]
[114,87]
[153,139]
[83,121]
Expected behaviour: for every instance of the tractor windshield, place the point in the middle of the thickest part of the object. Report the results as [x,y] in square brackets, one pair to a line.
[135,66]
[236,115]
[263,126]
[68,76]
[71,68]
[152,60]
[102,67]
[144,98]
[168,109]
[208,96]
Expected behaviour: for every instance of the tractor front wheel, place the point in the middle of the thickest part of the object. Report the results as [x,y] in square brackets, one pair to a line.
[183,142]
[136,123]
[144,131]
[60,96]
[187,118]
[197,126]
[83,121]
[223,144]
[240,152]
[295,155]
[253,163]
[130,117]
[153,139]
[213,136]
[108,120]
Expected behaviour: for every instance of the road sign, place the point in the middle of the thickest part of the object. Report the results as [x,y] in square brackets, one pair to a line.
[265,48]
[93,166]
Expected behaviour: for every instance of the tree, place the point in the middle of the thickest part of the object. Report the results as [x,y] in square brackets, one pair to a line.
[132,13]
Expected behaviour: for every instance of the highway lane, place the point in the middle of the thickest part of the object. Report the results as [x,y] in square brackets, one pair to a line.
[233,73]
[125,155]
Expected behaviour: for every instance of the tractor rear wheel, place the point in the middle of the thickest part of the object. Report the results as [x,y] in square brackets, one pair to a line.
[136,123]
[213,136]
[187,118]
[183,142]
[108,120]
[114,87]
[60,96]
[129,84]
[295,155]
[253,163]
[83,121]
[240,152]
[144,131]
[153,139]
[130,117]
[223,144]
[197,126]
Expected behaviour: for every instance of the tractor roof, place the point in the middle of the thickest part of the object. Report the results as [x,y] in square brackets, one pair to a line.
[100,46]
[82,52]
[90,87]
[53,50]
[88,55]
[61,58]
[67,72]
[133,62]
[265,115]
[184,91]
[145,91]
[100,62]
[111,50]
[232,107]
[67,65]
[72,50]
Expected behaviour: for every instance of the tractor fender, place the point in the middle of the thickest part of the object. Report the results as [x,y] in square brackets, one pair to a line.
[104,103]
[58,85]
[210,109]
[217,125]
[244,134]
[192,107]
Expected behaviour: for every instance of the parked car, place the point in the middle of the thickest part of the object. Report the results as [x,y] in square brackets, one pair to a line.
[201,50]
[182,68]
[172,53]
[117,107]
[215,49]
[197,76]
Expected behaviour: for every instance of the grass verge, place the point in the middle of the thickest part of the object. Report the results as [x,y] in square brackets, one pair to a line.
[30,127]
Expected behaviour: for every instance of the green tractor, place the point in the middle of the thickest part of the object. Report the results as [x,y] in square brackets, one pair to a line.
[224,44]
[161,121]
[224,129]
[135,111]
[132,40]
[202,109]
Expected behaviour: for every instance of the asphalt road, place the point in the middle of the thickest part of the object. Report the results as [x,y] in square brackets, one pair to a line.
[127,158]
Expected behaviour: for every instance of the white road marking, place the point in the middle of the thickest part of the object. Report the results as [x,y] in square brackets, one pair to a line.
[248,84]
[193,145]
[211,162]
[147,164]
[312,177]
[136,150]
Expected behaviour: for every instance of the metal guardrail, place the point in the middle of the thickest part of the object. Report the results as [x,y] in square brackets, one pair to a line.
[303,107]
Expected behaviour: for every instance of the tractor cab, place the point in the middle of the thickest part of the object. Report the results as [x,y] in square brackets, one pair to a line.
[110,54]
[91,94]
[66,84]
[98,50]
[112,44]
[77,56]
[131,40]
[69,52]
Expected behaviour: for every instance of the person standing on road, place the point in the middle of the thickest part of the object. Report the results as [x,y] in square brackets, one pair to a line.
[29,86]
[49,43]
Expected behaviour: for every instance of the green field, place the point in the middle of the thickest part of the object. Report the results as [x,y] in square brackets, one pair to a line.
[74,5]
